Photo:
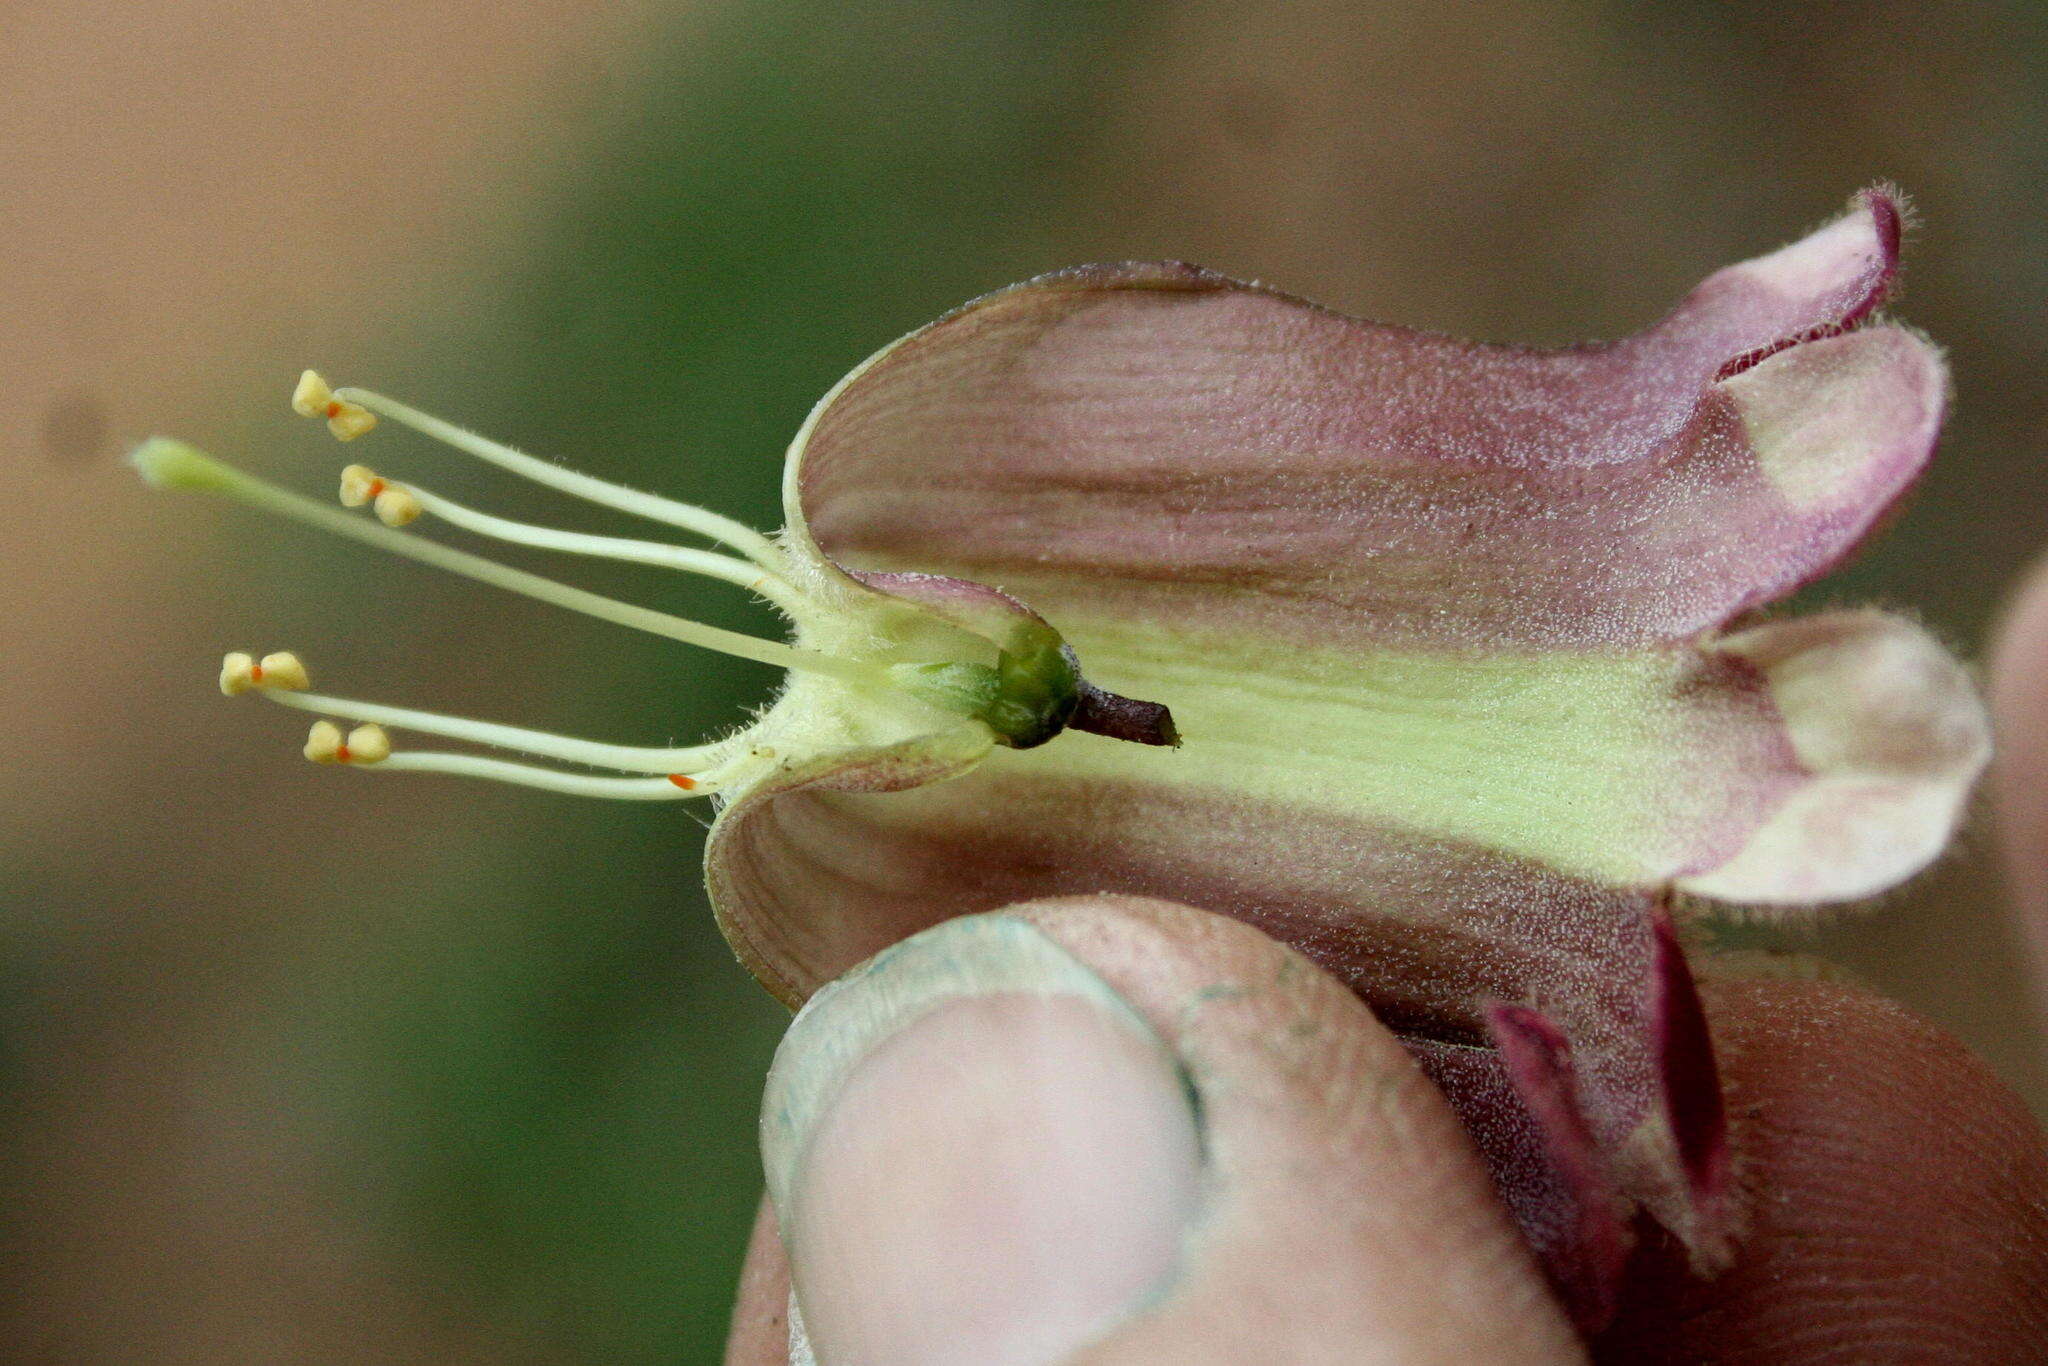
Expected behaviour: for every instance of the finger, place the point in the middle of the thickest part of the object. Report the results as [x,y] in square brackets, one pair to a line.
[1119,1131]
[1896,1193]
[760,1316]
[2019,706]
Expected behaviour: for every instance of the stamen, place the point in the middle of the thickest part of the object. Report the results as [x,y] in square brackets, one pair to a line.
[368,745]
[323,742]
[240,672]
[166,463]
[346,419]
[630,758]
[360,485]
[363,745]
[688,516]
[395,504]
[398,507]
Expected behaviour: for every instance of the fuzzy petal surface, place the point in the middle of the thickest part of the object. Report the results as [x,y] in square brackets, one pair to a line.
[1164,443]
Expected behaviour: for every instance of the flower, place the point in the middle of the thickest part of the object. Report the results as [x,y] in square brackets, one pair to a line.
[1460,640]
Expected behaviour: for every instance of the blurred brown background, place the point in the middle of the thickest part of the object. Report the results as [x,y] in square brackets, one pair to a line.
[313,1067]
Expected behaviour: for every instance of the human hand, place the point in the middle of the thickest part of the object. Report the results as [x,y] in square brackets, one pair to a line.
[1106,1130]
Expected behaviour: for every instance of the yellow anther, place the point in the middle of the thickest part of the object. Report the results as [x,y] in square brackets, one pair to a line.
[240,672]
[325,744]
[237,673]
[367,745]
[280,670]
[395,503]
[398,505]
[313,398]
[359,484]
[349,420]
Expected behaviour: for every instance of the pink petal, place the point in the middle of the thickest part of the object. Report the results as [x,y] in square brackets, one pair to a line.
[1158,441]
[746,872]
[821,876]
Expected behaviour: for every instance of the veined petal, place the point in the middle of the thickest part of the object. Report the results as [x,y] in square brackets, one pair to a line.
[750,838]
[1165,443]
[816,878]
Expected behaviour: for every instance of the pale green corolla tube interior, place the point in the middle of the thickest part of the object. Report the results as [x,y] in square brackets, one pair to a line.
[1574,759]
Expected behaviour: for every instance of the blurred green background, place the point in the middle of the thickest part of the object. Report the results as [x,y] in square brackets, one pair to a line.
[303,1066]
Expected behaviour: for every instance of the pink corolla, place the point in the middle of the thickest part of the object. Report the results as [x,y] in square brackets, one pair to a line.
[1468,698]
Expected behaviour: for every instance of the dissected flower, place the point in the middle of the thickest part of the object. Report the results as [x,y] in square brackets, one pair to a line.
[1454,635]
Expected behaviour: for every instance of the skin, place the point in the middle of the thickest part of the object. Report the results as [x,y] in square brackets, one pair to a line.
[1897,1192]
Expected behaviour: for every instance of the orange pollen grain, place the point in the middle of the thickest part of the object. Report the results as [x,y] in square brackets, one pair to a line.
[377,488]
[255,673]
[683,780]
[334,408]
[341,753]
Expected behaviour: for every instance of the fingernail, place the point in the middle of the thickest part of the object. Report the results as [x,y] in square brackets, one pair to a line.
[977,1153]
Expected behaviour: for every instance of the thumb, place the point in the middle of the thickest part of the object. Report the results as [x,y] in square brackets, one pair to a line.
[2019,696]
[1108,1130]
